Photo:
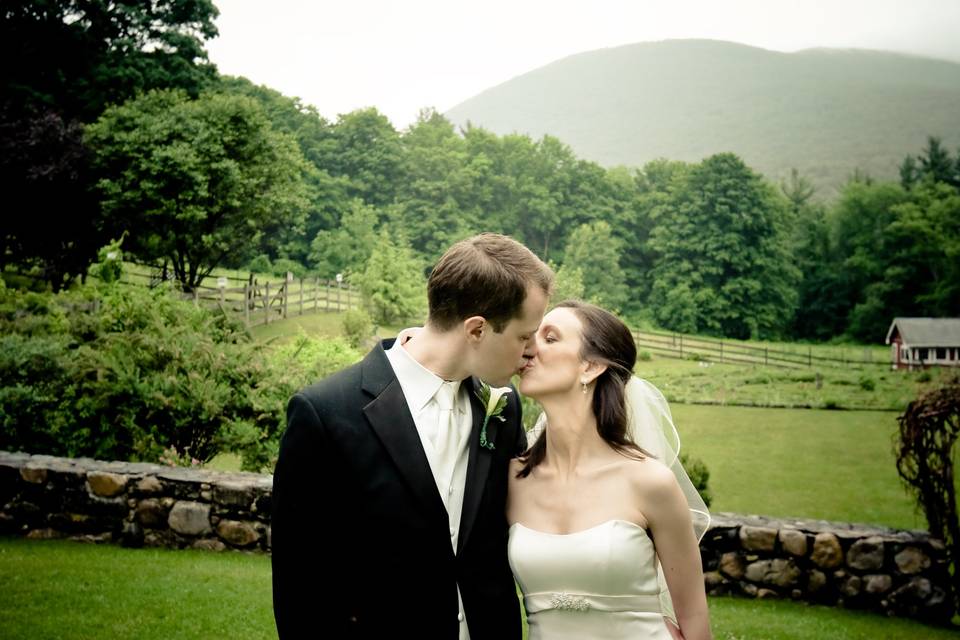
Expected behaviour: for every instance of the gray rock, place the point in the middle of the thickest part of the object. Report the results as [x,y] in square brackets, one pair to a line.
[866,554]
[816,580]
[150,484]
[757,538]
[826,551]
[851,586]
[877,583]
[190,518]
[911,560]
[237,533]
[151,513]
[106,485]
[209,544]
[33,475]
[732,565]
[778,572]
[793,542]
[233,494]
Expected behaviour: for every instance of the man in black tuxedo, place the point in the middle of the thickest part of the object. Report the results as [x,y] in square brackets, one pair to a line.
[388,512]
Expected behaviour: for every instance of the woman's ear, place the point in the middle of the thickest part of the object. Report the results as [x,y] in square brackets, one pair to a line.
[590,370]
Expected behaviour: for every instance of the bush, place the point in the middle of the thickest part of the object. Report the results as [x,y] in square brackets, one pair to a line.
[260,264]
[924,376]
[867,383]
[699,476]
[144,375]
[644,356]
[357,326]
[283,265]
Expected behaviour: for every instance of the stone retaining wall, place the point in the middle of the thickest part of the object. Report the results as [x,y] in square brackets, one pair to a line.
[136,504]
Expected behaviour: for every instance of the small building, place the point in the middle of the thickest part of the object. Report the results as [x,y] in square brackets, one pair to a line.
[924,342]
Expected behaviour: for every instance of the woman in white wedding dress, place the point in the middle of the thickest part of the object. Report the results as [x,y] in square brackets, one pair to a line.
[604,522]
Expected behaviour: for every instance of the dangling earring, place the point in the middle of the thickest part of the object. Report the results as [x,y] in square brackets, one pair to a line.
[583,386]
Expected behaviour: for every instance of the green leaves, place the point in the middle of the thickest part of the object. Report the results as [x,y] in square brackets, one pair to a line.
[196,181]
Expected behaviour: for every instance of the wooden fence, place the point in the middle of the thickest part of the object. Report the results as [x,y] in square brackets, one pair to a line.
[684,347]
[259,303]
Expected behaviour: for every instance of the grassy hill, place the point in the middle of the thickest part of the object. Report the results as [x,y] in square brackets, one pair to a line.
[823,111]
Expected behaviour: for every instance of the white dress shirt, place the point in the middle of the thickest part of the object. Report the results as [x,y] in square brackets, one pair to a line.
[447,452]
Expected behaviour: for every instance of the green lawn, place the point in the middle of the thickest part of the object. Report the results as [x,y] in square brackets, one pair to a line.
[835,465]
[754,385]
[69,590]
[321,324]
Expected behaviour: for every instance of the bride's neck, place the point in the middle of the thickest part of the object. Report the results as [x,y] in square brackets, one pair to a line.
[572,438]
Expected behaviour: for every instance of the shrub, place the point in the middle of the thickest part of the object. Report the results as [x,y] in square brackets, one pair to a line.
[867,383]
[260,264]
[699,475]
[357,326]
[924,376]
[283,265]
[144,377]
[644,356]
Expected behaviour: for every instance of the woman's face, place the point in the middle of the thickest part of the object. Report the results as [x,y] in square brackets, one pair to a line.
[557,367]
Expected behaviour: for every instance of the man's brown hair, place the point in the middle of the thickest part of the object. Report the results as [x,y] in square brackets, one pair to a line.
[486,275]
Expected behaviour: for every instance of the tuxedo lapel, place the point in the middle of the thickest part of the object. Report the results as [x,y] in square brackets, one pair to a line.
[393,423]
[478,465]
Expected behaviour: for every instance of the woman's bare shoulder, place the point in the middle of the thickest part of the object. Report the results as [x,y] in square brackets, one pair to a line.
[651,477]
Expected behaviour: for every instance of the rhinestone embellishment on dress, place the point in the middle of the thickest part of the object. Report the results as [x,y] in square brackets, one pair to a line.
[568,602]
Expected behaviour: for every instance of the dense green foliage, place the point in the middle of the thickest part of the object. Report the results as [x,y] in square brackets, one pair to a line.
[121,372]
[66,61]
[199,180]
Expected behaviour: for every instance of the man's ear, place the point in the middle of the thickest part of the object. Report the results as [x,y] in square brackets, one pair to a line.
[591,371]
[474,327]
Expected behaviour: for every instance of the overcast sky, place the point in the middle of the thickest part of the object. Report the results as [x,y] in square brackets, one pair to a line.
[402,55]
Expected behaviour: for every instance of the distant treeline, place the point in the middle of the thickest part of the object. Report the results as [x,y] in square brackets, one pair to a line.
[125,130]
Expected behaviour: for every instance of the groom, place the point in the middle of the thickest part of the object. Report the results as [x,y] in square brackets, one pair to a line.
[388,513]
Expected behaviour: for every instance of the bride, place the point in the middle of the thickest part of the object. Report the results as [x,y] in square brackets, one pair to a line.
[604,522]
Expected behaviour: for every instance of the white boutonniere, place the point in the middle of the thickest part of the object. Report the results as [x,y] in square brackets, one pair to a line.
[494,401]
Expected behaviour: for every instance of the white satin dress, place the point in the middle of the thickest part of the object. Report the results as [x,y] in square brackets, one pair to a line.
[599,583]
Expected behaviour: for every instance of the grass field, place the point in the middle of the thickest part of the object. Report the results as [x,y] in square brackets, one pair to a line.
[69,590]
[834,465]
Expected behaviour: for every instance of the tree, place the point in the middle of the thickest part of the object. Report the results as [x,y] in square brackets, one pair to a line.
[326,194]
[936,164]
[347,248]
[434,201]
[45,167]
[722,257]
[66,61]
[859,224]
[78,57]
[366,150]
[392,285]
[196,181]
[594,251]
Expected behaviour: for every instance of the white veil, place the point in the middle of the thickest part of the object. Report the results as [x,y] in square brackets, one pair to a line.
[650,426]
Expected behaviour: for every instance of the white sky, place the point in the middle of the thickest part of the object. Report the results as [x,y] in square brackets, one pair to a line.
[402,55]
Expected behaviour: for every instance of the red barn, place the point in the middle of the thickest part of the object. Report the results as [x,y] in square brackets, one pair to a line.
[924,342]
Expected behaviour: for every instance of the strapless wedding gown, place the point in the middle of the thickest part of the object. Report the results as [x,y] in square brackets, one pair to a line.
[599,583]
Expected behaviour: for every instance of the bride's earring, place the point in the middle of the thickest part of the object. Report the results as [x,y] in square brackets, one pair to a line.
[583,386]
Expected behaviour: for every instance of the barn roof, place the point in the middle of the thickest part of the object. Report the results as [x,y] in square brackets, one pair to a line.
[927,332]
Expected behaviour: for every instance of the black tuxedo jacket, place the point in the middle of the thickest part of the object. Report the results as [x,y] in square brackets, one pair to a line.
[360,536]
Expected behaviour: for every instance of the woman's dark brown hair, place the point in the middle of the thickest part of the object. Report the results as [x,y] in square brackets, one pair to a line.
[605,340]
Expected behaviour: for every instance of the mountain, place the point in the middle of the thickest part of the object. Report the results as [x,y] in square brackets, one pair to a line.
[827,112]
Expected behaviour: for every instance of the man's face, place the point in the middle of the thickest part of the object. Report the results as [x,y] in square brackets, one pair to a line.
[500,355]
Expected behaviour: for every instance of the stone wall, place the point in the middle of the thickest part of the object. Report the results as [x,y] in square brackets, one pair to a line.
[135,504]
